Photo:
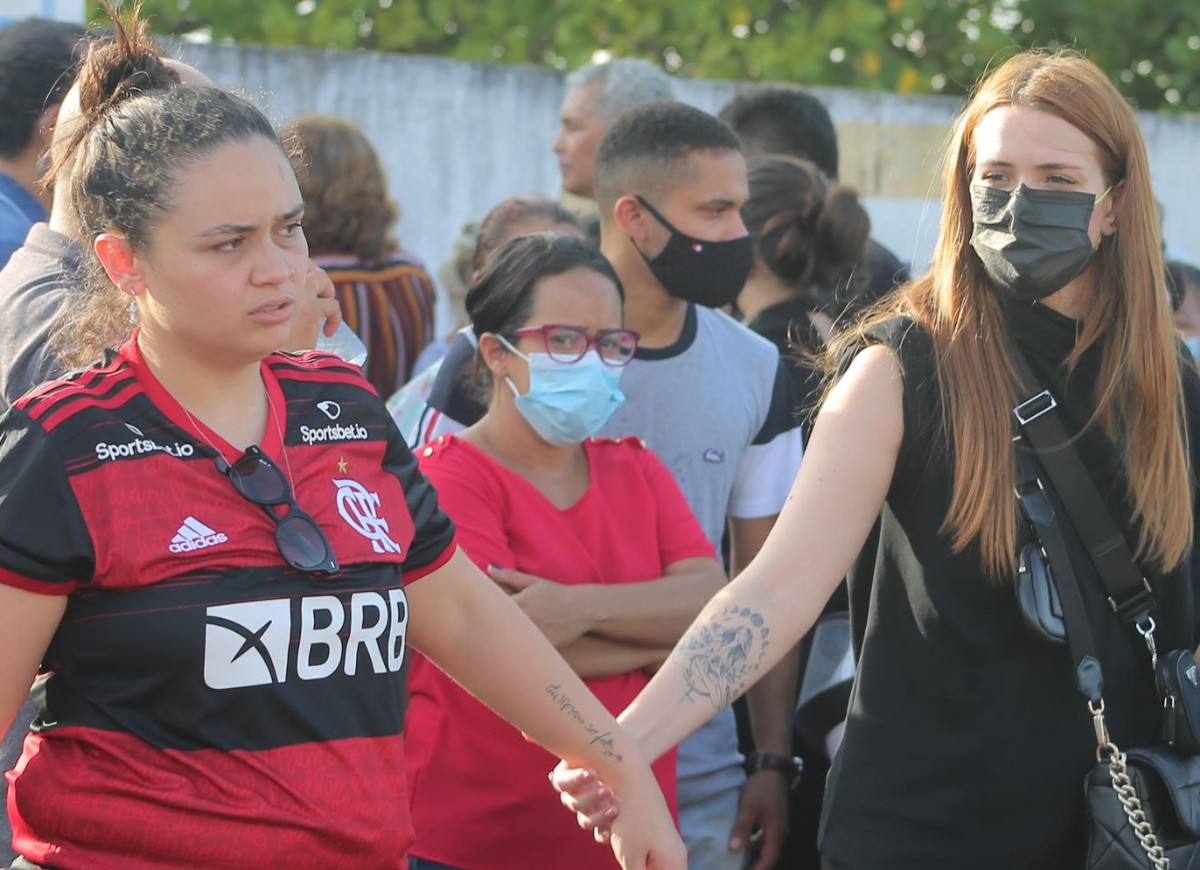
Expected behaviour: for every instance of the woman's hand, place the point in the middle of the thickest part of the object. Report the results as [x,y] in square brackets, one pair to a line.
[555,608]
[645,838]
[593,803]
[316,303]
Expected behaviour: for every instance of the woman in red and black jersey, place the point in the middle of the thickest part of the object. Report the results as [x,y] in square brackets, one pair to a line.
[214,555]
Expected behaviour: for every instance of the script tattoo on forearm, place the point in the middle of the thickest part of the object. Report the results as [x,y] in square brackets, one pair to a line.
[596,735]
[719,656]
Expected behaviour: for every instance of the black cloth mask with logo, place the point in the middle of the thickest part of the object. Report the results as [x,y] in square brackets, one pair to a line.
[1032,242]
[697,270]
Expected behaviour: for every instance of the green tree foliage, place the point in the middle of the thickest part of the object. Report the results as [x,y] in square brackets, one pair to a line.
[1151,48]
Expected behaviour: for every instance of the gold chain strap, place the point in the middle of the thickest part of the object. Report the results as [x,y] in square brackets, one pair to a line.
[1126,793]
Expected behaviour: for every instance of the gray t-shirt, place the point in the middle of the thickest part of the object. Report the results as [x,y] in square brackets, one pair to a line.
[716,407]
[33,285]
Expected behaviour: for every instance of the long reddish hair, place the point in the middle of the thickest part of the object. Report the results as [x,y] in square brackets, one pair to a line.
[1138,396]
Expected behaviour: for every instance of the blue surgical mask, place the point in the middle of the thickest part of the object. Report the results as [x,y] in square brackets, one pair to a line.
[1192,343]
[567,402]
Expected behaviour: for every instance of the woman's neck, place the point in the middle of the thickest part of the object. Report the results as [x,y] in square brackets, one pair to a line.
[763,289]
[1075,299]
[558,471]
[232,401]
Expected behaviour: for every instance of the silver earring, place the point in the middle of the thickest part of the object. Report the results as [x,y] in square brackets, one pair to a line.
[132,312]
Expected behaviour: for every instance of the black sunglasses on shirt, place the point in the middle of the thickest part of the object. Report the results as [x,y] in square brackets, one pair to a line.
[297,535]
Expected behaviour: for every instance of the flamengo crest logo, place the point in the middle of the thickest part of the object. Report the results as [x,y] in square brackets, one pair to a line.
[360,509]
[263,643]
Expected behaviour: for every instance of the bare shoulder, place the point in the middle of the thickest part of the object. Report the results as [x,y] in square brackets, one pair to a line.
[864,412]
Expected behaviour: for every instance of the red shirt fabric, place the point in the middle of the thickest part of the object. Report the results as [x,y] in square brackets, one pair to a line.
[201,703]
[480,799]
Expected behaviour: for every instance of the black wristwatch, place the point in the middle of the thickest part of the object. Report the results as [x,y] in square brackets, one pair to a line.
[790,766]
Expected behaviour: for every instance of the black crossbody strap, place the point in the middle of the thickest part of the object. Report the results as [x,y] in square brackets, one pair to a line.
[1038,510]
[1038,419]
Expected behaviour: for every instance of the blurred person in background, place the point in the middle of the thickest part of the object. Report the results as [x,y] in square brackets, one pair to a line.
[809,238]
[439,400]
[385,294]
[786,119]
[596,94]
[1183,282]
[38,60]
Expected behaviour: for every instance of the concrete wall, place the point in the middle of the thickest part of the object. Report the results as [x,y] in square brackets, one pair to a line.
[63,10]
[458,137]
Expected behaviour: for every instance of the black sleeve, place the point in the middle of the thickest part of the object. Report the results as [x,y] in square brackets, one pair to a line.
[433,537]
[923,433]
[451,394]
[783,413]
[45,545]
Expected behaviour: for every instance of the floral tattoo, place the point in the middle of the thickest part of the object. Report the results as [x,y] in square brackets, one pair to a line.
[719,657]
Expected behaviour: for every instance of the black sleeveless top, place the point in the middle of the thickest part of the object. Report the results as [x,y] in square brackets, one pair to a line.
[967,742]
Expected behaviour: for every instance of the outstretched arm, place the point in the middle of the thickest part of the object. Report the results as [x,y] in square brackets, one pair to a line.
[468,627]
[755,620]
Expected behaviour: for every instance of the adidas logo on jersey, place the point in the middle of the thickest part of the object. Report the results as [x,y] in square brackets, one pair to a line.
[194,535]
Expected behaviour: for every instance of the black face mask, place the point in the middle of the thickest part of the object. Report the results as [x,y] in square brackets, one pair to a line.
[696,270]
[1032,242]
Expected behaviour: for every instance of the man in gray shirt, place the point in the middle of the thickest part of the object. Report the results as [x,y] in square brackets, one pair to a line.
[713,400]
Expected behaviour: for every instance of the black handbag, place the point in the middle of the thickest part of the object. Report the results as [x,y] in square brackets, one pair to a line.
[1179,687]
[1143,806]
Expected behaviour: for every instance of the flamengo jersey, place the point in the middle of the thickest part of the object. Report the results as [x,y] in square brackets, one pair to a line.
[204,705]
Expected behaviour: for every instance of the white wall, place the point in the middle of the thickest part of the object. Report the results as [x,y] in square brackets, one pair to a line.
[62,10]
[458,137]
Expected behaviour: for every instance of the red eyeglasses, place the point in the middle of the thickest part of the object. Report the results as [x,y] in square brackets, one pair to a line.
[568,344]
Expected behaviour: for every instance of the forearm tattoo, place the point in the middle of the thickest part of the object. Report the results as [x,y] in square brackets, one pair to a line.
[719,657]
[597,736]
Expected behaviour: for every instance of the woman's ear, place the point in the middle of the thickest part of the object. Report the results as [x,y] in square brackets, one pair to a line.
[1109,225]
[494,355]
[115,253]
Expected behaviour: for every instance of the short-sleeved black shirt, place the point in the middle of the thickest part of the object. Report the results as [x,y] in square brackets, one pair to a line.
[967,742]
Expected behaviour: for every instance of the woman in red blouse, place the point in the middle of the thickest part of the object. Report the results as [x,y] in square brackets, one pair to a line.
[591,537]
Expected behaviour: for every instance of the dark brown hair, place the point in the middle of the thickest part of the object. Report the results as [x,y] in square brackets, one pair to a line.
[497,226]
[345,189]
[810,232]
[140,133]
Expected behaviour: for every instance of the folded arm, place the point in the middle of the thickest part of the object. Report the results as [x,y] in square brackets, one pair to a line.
[646,613]
[469,628]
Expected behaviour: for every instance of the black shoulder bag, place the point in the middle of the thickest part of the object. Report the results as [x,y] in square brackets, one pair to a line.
[1143,805]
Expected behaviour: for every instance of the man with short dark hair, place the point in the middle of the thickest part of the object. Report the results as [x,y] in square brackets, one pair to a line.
[714,401]
[786,119]
[38,59]
[596,94]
